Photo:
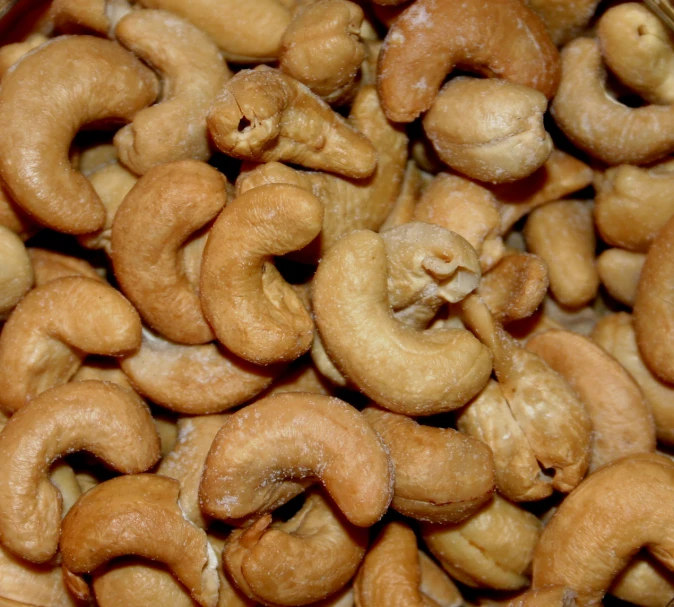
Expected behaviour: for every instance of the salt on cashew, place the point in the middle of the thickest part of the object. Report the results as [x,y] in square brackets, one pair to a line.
[322,553]
[99,417]
[49,265]
[508,41]
[264,115]
[166,207]
[619,272]
[16,271]
[11,53]
[441,476]
[489,129]
[193,72]
[137,515]
[51,330]
[75,80]
[402,369]
[298,438]
[254,312]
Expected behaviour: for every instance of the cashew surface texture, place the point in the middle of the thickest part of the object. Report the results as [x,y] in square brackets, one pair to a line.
[265,115]
[100,417]
[48,266]
[619,272]
[11,53]
[298,438]
[565,20]
[48,334]
[507,41]
[74,81]
[16,271]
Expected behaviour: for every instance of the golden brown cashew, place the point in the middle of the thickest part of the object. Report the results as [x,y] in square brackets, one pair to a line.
[88,16]
[551,596]
[16,271]
[509,145]
[644,582]
[297,436]
[507,41]
[619,272]
[252,310]
[264,115]
[322,552]
[301,376]
[410,192]
[441,476]
[138,515]
[103,418]
[167,205]
[49,265]
[14,218]
[74,81]
[11,53]
[565,19]
[52,329]
[401,369]
[619,509]
[193,73]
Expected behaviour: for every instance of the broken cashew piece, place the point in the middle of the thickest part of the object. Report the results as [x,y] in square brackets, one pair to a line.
[16,271]
[619,271]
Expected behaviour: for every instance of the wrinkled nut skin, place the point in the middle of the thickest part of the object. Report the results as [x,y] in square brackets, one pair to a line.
[48,266]
[254,312]
[264,115]
[402,369]
[507,41]
[302,437]
[441,476]
[322,552]
[99,417]
[163,210]
[619,272]
[75,81]
[16,271]
[46,337]
[488,129]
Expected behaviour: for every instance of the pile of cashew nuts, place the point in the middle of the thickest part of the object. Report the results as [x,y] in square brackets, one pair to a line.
[336,303]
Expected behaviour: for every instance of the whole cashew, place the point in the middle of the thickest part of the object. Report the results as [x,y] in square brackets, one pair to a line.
[74,81]
[16,271]
[49,265]
[103,418]
[11,53]
[251,308]
[264,115]
[138,515]
[47,336]
[507,41]
[302,437]
[323,552]
[441,476]
[619,272]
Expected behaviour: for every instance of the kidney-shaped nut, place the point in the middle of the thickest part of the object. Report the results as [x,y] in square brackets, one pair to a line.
[507,41]
[49,265]
[254,312]
[112,423]
[16,271]
[74,81]
[265,115]
[297,438]
[138,515]
[619,271]
[400,368]
[52,329]
[489,129]
[322,552]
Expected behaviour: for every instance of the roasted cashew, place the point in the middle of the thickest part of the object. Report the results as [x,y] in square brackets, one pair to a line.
[644,582]
[565,20]
[14,218]
[51,330]
[254,312]
[441,476]
[300,377]
[16,271]
[322,553]
[619,272]
[88,17]
[74,81]
[410,192]
[401,369]
[49,265]
[302,437]
[508,41]
[264,115]
[137,515]
[99,417]
[489,129]
[551,596]
[11,53]
[176,199]
[193,74]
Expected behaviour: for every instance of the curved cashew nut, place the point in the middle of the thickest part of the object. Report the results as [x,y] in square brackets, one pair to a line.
[51,330]
[16,271]
[138,515]
[508,41]
[165,207]
[264,115]
[75,80]
[404,370]
[11,53]
[193,73]
[619,271]
[49,265]
[103,418]
[441,476]
[251,308]
[303,437]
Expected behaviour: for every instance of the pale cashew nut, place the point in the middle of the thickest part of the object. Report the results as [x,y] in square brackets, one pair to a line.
[74,81]
[49,265]
[252,310]
[90,159]
[508,41]
[644,582]
[301,437]
[14,218]
[619,272]
[11,53]
[47,336]
[16,271]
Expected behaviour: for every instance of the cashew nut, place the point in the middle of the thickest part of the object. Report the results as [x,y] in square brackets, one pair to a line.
[301,376]
[551,596]
[564,19]
[13,217]
[619,272]
[410,192]
[49,265]
[16,271]
[644,582]
[11,53]
[88,17]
